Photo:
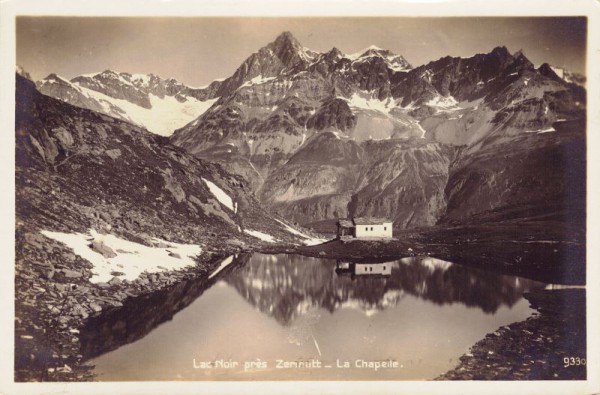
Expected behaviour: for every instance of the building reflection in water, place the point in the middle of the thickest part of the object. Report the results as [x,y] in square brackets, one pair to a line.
[288,286]
[293,284]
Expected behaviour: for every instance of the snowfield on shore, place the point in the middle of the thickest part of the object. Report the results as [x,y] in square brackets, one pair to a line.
[132,259]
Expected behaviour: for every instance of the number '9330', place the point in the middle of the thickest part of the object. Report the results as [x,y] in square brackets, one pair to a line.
[573,361]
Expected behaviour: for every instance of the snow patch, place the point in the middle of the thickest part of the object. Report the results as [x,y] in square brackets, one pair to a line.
[338,135]
[58,78]
[358,101]
[143,78]
[165,115]
[540,131]
[441,103]
[398,67]
[220,194]
[260,235]
[559,71]
[423,131]
[257,81]
[132,258]
[311,241]
[427,75]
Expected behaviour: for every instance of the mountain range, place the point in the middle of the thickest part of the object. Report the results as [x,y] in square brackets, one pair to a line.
[149,101]
[77,169]
[317,136]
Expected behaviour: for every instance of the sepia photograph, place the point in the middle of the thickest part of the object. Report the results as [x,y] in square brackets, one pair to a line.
[351,199]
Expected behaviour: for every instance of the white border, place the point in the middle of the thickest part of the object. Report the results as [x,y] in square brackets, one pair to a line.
[10,8]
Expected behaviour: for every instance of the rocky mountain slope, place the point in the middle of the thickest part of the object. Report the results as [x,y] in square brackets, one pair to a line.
[106,210]
[77,169]
[326,135]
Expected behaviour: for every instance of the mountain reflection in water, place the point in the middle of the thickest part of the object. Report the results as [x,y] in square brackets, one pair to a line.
[288,302]
[286,286]
[140,315]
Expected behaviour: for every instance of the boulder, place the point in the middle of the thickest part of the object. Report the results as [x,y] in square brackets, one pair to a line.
[114,281]
[71,273]
[78,310]
[113,153]
[49,273]
[235,243]
[101,131]
[172,186]
[103,249]
[36,240]
[49,147]
[83,289]
[63,136]
[105,216]
[193,199]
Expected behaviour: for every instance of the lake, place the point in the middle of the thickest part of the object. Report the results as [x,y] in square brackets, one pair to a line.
[290,317]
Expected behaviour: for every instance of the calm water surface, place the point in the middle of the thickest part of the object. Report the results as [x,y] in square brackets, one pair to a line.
[269,308]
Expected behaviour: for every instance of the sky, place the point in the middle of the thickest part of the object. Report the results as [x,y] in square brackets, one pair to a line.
[197,51]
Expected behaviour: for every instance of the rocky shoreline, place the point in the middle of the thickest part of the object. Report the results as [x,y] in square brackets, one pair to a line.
[527,249]
[57,306]
[549,345]
[54,299]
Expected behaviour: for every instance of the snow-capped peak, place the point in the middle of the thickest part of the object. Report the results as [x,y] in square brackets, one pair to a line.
[55,78]
[91,75]
[107,75]
[364,52]
[126,78]
[395,62]
[370,50]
